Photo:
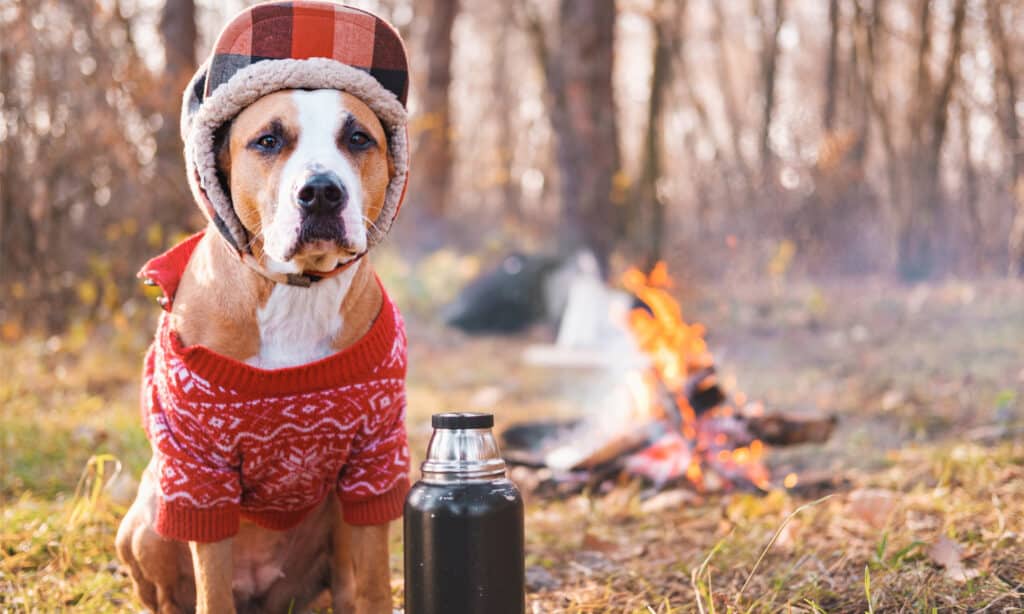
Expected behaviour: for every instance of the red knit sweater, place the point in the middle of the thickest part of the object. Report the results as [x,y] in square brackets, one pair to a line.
[233,440]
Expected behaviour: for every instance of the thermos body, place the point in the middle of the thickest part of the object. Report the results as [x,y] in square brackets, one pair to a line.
[463,526]
[464,549]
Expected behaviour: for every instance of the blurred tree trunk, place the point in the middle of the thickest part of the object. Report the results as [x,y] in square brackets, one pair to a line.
[1007,100]
[921,221]
[835,222]
[855,91]
[432,156]
[769,68]
[651,208]
[17,227]
[734,123]
[970,181]
[179,35]
[697,102]
[578,70]
[831,67]
[870,28]
[507,99]
[7,174]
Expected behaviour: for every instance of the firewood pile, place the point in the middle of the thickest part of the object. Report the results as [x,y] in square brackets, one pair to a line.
[563,457]
[680,428]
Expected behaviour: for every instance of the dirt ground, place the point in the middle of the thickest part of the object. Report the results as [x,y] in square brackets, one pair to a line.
[915,504]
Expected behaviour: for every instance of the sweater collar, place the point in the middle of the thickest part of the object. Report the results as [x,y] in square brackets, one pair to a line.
[378,349]
[377,355]
[165,271]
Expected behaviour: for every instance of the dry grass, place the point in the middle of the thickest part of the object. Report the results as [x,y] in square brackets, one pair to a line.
[927,380]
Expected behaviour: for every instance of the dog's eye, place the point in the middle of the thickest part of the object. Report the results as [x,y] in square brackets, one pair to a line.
[360,140]
[268,142]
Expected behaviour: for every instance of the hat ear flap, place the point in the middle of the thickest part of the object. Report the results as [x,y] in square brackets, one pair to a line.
[192,99]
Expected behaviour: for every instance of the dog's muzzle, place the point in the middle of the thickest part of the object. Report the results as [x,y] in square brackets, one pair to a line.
[321,193]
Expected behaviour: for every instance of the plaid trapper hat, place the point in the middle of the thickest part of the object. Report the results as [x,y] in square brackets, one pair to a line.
[295,45]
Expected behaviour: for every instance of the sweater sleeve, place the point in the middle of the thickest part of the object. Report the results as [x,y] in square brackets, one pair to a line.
[373,485]
[199,493]
[198,501]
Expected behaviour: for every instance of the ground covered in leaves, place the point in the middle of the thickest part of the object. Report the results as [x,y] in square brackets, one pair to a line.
[915,504]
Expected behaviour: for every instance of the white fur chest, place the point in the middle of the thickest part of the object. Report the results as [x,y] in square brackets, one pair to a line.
[297,325]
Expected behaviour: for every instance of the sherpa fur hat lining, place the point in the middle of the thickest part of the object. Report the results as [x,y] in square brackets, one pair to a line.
[201,118]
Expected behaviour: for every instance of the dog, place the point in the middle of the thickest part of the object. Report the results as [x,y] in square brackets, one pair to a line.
[276,379]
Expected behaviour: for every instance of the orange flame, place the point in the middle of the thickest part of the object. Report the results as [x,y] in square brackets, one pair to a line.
[677,350]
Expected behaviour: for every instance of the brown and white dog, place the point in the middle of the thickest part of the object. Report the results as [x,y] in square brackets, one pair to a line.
[308,173]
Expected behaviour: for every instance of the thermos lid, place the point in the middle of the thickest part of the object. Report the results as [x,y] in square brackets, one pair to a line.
[462,448]
[462,420]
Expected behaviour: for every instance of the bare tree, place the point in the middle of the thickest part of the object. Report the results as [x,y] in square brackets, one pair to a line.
[928,121]
[831,67]
[699,105]
[179,35]
[734,122]
[74,146]
[665,22]
[90,156]
[1007,100]
[581,106]
[432,156]
[869,26]
[10,229]
[970,192]
[505,95]
[770,28]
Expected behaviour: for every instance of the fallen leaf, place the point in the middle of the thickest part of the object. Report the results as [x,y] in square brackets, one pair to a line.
[872,506]
[596,544]
[539,579]
[949,554]
[669,500]
[590,562]
[618,502]
[893,399]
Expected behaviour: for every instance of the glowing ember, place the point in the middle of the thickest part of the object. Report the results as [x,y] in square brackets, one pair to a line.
[678,352]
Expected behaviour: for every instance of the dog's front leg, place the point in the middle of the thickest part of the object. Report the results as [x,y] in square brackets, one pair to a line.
[361,580]
[213,566]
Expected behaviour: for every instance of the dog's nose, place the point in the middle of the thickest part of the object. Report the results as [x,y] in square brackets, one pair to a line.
[322,193]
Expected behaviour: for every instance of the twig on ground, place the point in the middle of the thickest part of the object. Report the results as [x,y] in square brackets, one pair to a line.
[697,572]
[1015,592]
[775,537]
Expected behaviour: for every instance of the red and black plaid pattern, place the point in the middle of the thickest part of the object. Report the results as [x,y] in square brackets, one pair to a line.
[302,29]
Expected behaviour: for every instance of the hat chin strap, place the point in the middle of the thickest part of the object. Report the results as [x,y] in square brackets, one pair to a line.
[304,279]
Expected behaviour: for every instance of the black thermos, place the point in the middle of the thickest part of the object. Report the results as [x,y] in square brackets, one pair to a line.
[464,525]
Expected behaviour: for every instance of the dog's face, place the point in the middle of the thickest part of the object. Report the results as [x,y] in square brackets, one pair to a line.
[308,172]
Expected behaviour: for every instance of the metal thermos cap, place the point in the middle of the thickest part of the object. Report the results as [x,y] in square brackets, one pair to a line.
[462,420]
[462,449]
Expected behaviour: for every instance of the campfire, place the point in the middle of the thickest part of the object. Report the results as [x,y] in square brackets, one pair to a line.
[667,419]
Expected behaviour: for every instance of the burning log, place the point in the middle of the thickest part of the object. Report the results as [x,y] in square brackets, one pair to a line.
[703,392]
[569,445]
[594,452]
[784,429]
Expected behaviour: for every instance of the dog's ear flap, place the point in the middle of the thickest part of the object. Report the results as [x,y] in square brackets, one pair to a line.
[191,100]
[222,151]
[391,166]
